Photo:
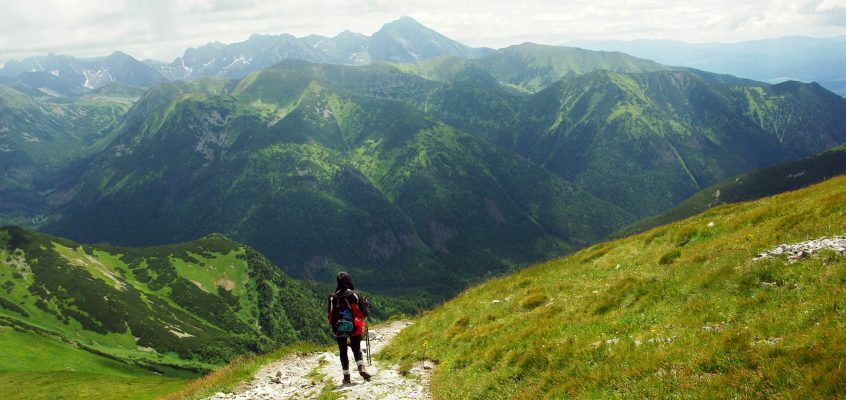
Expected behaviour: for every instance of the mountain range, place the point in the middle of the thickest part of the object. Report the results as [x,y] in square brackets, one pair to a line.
[427,176]
[612,133]
[401,179]
[770,60]
[64,76]
[321,179]
[403,41]
[175,217]
[407,41]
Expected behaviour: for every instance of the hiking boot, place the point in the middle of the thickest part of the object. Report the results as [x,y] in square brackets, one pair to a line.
[346,379]
[362,371]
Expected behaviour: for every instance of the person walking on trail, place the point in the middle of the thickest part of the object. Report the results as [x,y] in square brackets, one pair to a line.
[347,312]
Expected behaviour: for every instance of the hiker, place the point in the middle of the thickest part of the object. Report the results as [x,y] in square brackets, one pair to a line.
[346,316]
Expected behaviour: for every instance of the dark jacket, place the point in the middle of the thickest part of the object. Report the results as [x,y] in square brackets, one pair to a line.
[346,290]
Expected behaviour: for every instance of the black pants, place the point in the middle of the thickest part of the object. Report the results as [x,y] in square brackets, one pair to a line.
[355,344]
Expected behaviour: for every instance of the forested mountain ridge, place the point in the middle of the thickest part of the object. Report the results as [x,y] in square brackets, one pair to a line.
[187,306]
[320,179]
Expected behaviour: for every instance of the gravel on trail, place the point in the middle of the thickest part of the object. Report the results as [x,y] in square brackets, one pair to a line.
[308,376]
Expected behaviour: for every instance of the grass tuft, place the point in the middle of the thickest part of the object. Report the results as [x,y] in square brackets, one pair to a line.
[715,325]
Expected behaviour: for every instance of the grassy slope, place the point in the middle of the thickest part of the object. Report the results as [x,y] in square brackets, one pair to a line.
[191,306]
[754,185]
[37,367]
[678,311]
[56,354]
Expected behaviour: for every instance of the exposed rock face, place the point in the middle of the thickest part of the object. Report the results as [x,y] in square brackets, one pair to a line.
[798,251]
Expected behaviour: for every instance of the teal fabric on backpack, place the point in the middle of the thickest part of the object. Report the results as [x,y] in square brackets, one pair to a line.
[344,326]
[343,322]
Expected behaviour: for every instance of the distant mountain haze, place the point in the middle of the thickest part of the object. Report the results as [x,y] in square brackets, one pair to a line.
[403,41]
[58,75]
[805,59]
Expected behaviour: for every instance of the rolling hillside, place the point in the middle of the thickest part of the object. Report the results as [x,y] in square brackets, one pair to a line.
[530,67]
[187,307]
[645,142]
[683,310]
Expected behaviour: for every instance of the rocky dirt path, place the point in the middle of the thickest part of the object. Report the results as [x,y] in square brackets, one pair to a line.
[319,374]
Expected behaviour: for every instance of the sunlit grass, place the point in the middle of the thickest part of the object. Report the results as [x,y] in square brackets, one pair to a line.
[240,370]
[37,367]
[680,311]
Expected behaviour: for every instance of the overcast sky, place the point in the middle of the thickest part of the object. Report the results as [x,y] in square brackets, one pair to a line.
[162,29]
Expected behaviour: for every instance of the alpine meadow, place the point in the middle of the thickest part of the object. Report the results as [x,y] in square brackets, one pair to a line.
[520,220]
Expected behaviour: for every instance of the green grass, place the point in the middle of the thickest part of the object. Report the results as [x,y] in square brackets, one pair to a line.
[180,310]
[37,367]
[240,370]
[680,311]
[56,385]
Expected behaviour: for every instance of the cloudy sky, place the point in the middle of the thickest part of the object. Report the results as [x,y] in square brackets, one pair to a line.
[162,29]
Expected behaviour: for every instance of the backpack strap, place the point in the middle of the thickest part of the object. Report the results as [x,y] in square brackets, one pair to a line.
[332,299]
[348,303]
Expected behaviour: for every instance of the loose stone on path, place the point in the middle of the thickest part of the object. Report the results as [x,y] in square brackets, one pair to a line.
[305,377]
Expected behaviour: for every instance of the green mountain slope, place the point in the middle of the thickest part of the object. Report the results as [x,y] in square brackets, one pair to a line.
[642,141]
[530,67]
[40,137]
[754,185]
[533,67]
[325,166]
[189,307]
[319,179]
[682,310]
[647,141]
[38,367]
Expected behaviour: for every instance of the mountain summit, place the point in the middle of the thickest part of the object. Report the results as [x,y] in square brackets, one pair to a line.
[406,40]
[403,40]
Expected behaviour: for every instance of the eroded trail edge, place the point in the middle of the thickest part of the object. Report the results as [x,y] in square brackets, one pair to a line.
[309,376]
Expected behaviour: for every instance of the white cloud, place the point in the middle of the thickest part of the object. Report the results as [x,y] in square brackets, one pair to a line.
[162,29]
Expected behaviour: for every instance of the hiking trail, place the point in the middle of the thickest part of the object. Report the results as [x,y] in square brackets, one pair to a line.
[300,376]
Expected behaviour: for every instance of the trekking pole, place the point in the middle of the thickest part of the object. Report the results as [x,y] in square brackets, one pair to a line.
[367,340]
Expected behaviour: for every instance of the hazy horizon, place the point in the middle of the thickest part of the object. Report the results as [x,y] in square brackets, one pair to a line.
[162,30]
